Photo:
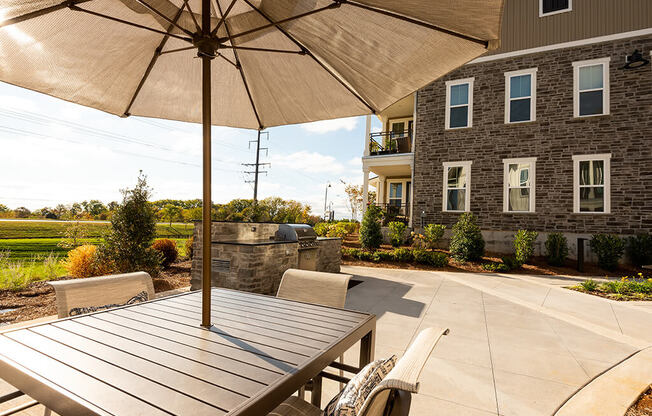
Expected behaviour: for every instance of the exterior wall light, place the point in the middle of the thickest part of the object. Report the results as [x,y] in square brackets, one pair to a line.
[635,60]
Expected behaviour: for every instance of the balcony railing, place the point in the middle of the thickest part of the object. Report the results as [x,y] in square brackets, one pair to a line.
[385,143]
[395,212]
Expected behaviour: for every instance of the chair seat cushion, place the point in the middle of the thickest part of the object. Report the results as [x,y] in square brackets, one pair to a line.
[350,400]
[141,297]
[294,406]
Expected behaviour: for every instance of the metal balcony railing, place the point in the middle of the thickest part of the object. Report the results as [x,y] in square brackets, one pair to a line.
[390,142]
[395,211]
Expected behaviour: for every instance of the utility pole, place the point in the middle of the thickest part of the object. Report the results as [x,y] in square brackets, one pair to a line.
[326,203]
[256,172]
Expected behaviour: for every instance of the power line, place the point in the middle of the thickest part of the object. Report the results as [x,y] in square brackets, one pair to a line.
[258,164]
[15,131]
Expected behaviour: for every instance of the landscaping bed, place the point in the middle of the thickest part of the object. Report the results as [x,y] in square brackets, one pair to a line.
[627,288]
[37,299]
[643,406]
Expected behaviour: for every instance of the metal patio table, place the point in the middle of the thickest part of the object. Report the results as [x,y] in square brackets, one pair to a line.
[153,358]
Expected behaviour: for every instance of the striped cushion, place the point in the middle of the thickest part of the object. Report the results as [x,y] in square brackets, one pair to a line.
[350,400]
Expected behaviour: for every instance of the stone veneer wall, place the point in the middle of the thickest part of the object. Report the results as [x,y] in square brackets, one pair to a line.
[553,138]
[329,257]
[255,268]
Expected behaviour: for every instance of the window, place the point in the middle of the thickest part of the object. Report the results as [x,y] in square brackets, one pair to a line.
[548,7]
[591,87]
[520,95]
[519,189]
[592,182]
[459,103]
[395,194]
[457,186]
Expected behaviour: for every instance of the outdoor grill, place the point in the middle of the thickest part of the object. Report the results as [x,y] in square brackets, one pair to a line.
[301,233]
[307,239]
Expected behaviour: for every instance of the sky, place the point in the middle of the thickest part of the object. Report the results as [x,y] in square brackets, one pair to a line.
[53,152]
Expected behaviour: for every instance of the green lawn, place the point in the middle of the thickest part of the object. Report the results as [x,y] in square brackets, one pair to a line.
[25,246]
[52,229]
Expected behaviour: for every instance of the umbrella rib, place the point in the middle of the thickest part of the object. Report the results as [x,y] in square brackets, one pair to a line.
[333,5]
[177,50]
[416,22]
[249,48]
[115,19]
[152,62]
[38,13]
[223,18]
[317,60]
[194,19]
[228,60]
[242,75]
[164,17]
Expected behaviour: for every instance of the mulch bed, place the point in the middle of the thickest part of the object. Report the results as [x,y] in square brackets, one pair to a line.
[643,407]
[536,266]
[37,300]
[614,296]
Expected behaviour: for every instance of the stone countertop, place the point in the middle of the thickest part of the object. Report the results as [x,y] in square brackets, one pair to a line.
[260,242]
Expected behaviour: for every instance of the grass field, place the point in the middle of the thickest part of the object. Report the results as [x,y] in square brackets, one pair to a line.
[52,229]
[25,247]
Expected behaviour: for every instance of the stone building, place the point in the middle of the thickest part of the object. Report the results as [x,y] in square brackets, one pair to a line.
[552,132]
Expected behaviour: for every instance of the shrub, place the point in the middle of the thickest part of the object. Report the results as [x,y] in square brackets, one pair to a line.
[380,256]
[83,261]
[495,267]
[556,249]
[589,285]
[609,248]
[350,252]
[403,254]
[370,234]
[321,228]
[167,248]
[510,263]
[133,229]
[639,249]
[467,243]
[396,233]
[432,233]
[340,230]
[430,258]
[365,255]
[189,247]
[524,245]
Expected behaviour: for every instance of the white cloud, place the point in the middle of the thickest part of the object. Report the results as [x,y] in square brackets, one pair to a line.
[311,162]
[328,126]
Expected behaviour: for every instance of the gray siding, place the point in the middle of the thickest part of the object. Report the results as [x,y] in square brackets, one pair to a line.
[522,28]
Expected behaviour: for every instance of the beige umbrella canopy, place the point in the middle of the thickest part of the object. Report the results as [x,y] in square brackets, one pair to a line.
[262,63]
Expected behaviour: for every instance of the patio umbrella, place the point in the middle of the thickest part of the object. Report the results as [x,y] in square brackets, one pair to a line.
[261,63]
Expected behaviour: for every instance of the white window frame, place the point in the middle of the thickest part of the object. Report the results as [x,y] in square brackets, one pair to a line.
[605,85]
[542,14]
[467,195]
[606,158]
[449,84]
[403,188]
[533,94]
[532,161]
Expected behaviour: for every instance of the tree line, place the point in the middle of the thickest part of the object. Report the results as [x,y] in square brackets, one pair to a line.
[273,209]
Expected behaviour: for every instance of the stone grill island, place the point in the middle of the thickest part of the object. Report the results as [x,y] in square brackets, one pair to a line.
[250,257]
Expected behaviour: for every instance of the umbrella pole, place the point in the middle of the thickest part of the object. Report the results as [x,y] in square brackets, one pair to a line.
[206,204]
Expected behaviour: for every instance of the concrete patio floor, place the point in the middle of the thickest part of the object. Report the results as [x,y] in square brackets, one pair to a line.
[518,345]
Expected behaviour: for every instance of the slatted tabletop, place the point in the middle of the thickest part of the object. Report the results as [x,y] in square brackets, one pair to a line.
[154,358]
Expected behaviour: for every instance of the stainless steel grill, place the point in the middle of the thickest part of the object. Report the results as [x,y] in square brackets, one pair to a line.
[301,233]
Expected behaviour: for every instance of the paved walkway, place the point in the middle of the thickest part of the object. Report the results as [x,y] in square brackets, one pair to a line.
[519,345]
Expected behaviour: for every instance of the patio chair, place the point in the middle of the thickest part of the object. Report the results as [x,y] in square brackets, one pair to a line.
[78,296]
[393,395]
[328,289]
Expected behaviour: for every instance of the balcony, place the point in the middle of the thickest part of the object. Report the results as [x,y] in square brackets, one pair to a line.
[386,143]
